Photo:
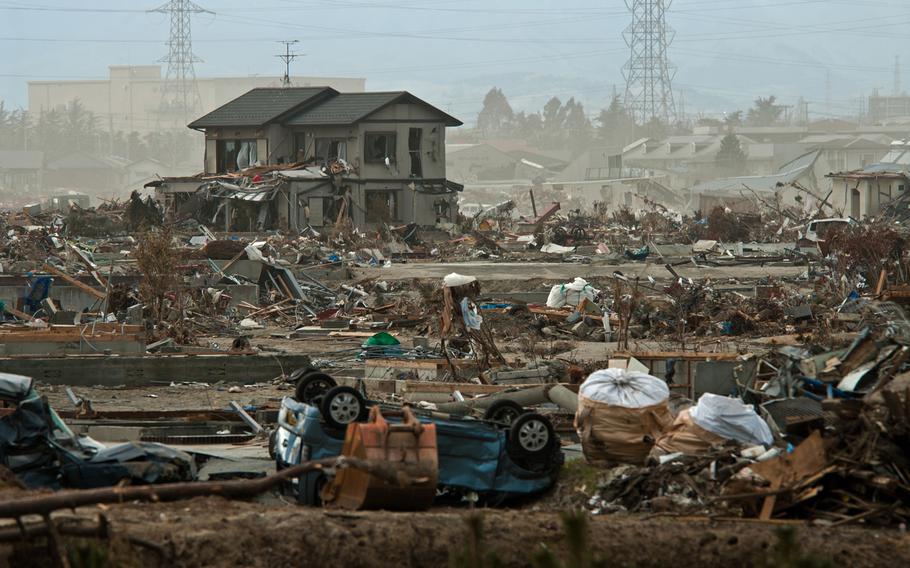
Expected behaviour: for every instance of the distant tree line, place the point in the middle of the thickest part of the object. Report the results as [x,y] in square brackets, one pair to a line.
[561,125]
[73,128]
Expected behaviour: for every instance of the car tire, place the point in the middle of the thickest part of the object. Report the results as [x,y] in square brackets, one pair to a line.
[313,385]
[300,373]
[309,488]
[273,439]
[503,412]
[531,436]
[342,406]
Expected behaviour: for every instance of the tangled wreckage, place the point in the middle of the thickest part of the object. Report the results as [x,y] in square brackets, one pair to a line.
[331,332]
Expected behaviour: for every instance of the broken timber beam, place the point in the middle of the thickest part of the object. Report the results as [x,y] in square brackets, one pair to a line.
[44,504]
[69,279]
[19,314]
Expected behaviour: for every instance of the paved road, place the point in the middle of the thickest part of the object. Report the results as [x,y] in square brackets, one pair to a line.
[560,271]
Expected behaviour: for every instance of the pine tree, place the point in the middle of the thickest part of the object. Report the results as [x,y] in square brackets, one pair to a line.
[496,115]
[731,158]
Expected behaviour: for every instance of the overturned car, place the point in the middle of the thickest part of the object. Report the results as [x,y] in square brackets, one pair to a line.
[488,459]
[41,450]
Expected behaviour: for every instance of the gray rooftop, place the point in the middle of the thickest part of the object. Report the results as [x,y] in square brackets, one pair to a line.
[21,160]
[259,107]
[350,108]
[787,174]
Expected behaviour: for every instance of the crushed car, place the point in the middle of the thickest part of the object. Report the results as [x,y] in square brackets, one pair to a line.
[41,450]
[491,460]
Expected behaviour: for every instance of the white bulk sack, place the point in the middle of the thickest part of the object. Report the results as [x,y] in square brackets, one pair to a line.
[624,388]
[454,280]
[731,419]
[571,294]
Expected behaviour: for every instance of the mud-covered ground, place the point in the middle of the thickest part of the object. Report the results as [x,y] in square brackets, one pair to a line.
[214,532]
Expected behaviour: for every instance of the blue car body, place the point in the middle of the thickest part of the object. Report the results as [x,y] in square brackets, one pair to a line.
[472,454]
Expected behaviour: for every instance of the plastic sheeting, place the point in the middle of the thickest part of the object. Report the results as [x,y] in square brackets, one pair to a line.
[571,294]
[14,387]
[624,388]
[454,280]
[552,248]
[731,419]
[472,319]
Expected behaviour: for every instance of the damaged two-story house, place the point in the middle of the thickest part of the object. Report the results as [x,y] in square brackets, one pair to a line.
[292,158]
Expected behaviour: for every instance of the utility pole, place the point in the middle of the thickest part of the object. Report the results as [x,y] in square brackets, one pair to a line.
[287,57]
[180,95]
[649,73]
[681,115]
[897,75]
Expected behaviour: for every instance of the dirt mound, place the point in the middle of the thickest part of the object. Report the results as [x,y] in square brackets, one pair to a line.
[216,532]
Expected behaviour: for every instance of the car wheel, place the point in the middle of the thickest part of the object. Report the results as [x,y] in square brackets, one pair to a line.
[313,385]
[273,439]
[503,412]
[309,488]
[531,435]
[342,406]
[300,373]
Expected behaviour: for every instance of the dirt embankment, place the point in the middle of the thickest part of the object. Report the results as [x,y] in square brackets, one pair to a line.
[215,532]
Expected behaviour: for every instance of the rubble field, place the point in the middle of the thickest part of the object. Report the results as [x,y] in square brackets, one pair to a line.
[643,388]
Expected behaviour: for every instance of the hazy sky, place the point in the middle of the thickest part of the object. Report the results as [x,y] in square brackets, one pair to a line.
[832,52]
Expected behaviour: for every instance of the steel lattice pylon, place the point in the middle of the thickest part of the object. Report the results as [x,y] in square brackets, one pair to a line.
[648,72]
[180,95]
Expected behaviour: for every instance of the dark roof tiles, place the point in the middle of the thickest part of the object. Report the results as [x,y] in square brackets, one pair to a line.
[259,107]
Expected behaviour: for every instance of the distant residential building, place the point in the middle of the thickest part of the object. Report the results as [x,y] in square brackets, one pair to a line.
[799,182]
[692,159]
[595,164]
[306,157]
[863,192]
[20,171]
[883,108]
[87,173]
[129,100]
[846,152]
[470,163]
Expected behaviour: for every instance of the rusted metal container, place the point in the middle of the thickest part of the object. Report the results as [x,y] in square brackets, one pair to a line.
[409,447]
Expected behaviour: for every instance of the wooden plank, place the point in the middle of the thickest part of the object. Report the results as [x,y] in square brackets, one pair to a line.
[66,338]
[882,280]
[408,363]
[787,470]
[357,334]
[64,329]
[554,313]
[684,355]
[84,287]
[463,388]
[92,268]
[21,315]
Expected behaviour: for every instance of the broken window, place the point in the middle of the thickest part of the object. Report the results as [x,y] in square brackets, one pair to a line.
[233,155]
[381,206]
[328,149]
[414,136]
[300,147]
[378,146]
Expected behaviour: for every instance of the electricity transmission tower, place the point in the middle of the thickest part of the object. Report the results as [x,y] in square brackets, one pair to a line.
[648,72]
[180,95]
